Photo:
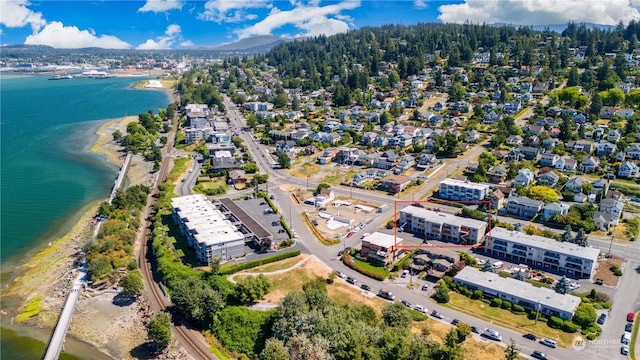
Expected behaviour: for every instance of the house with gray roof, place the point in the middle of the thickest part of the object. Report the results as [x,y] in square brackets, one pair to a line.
[523,206]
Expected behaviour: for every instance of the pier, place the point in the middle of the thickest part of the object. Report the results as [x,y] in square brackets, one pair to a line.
[56,342]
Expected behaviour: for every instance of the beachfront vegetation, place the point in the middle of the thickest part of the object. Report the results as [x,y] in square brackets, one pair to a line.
[159,330]
[113,247]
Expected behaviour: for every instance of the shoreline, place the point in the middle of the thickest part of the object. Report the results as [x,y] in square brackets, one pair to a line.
[109,328]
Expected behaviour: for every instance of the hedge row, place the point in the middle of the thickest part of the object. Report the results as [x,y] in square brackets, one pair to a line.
[365,268]
[253,263]
[271,204]
[286,227]
[316,233]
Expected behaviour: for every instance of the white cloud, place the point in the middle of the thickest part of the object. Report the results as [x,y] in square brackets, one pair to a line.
[172,35]
[158,6]
[57,35]
[232,10]
[15,13]
[541,12]
[420,4]
[312,18]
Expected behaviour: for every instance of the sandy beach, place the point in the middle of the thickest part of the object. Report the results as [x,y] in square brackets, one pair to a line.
[116,329]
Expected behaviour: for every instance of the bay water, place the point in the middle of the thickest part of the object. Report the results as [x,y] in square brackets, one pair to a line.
[48,175]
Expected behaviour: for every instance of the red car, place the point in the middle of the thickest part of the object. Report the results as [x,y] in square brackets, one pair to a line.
[631,316]
[350,234]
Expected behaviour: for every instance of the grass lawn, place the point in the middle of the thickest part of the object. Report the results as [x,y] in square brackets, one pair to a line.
[507,319]
[278,265]
[634,338]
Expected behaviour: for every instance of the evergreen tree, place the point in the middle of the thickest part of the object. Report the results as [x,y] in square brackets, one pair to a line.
[512,351]
[581,238]
[596,104]
[573,79]
[562,286]
[567,235]
[488,266]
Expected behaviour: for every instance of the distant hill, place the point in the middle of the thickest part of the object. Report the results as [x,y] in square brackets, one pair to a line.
[558,27]
[262,41]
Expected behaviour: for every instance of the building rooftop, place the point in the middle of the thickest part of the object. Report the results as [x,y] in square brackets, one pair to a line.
[442,218]
[383,240]
[520,289]
[545,243]
[207,224]
[466,184]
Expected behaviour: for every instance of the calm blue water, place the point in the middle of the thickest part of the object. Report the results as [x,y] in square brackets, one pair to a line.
[47,173]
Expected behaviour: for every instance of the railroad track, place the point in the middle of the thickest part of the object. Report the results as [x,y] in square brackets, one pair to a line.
[189,339]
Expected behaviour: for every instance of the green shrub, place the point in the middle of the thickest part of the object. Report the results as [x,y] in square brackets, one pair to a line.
[477,294]
[555,322]
[517,309]
[251,264]
[496,302]
[506,305]
[569,327]
[441,296]
[591,337]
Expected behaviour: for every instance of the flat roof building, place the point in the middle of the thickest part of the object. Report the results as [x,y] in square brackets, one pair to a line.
[452,189]
[207,230]
[547,301]
[543,253]
[442,226]
[379,248]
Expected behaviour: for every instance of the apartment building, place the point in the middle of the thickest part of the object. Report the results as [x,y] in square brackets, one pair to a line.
[442,226]
[452,189]
[543,253]
[547,301]
[379,248]
[207,229]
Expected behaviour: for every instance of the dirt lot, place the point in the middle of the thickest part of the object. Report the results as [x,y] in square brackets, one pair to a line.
[604,272]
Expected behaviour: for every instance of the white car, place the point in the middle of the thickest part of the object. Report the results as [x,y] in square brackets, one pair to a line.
[421,308]
[341,274]
[480,261]
[624,350]
[364,235]
[574,285]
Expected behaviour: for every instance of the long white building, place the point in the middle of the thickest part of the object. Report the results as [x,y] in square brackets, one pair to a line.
[207,230]
[543,253]
[547,301]
[442,226]
[453,189]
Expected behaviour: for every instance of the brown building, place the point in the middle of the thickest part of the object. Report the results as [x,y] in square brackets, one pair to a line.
[380,249]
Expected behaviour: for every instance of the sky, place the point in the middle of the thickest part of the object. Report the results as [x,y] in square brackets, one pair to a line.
[182,24]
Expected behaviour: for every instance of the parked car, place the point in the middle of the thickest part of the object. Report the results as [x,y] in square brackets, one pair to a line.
[628,327]
[365,287]
[625,338]
[599,282]
[386,295]
[404,273]
[530,336]
[350,234]
[574,285]
[455,322]
[537,354]
[602,318]
[421,308]
[352,280]
[480,261]
[425,287]
[341,274]
[492,334]
[475,329]
[340,253]
[624,350]
[364,235]
[406,303]
[631,316]
[549,342]
[437,315]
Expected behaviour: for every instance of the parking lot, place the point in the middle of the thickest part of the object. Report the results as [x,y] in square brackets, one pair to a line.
[259,210]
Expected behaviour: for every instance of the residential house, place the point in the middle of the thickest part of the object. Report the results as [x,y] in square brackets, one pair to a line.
[237,177]
[472,136]
[523,206]
[556,208]
[328,155]
[367,138]
[530,153]
[606,148]
[406,162]
[628,170]
[515,155]
[324,198]
[581,145]
[566,163]
[223,160]
[579,118]
[395,183]
[633,152]
[625,113]
[497,173]
[514,140]
[386,161]
[524,178]
[368,175]
[549,160]
[491,118]
[612,206]
[574,185]
[498,200]
[589,164]
[426,161]
[533,141]
[603,221]
[435,261]
[607,112]
[548,178]
[554,111]
[534,130]
[613,135]
[380,141]
[555,132]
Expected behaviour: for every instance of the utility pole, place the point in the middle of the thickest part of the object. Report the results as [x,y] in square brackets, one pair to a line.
[537,311]
[613,235]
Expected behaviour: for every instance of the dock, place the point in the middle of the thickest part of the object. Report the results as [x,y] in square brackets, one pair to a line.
[56,342]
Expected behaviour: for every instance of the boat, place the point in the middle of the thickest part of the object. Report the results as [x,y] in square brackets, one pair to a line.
[61,77]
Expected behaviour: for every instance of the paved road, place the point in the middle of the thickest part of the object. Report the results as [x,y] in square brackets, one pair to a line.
[627,298]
